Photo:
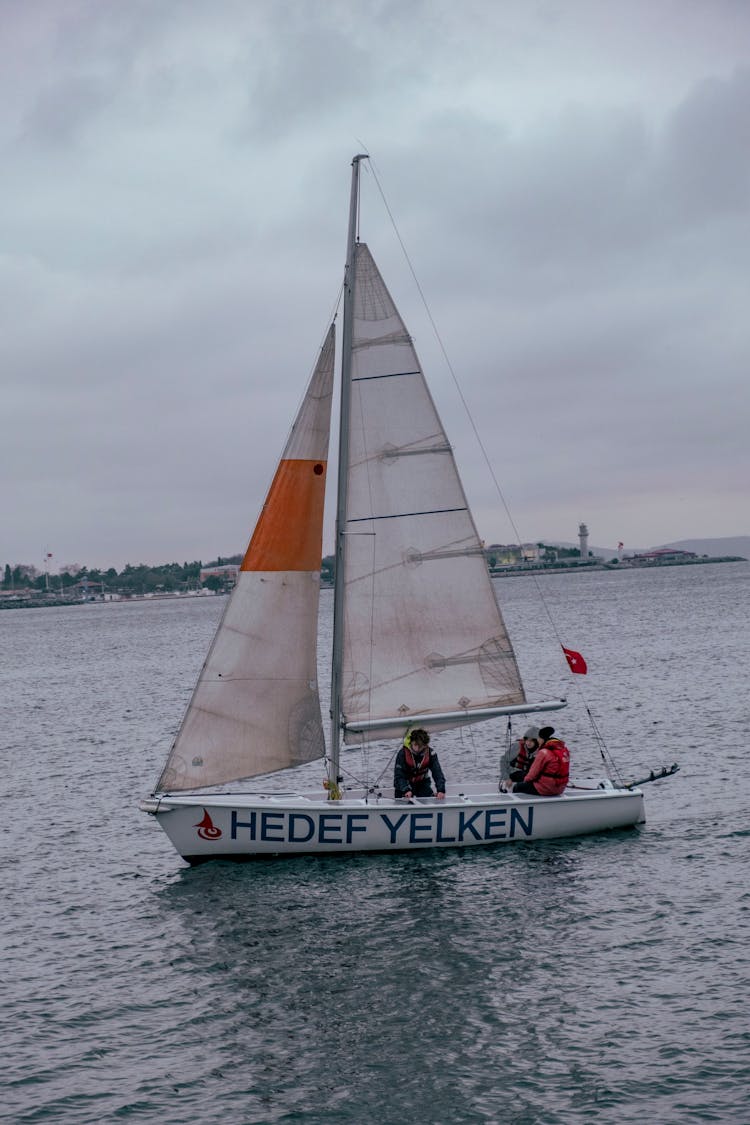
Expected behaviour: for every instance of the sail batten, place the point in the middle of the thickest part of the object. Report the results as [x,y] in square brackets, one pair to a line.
[406,515]
[385,375]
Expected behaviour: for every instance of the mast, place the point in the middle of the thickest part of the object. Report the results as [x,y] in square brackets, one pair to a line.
[343,471]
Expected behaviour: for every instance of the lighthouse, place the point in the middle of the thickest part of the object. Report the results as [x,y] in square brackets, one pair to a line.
[583,541]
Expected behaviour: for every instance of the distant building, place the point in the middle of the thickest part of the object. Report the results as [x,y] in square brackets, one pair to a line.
[512,554]
[228,572]
[661,555]
[20,593]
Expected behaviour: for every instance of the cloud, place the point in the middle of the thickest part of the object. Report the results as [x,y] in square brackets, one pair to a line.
[571,186]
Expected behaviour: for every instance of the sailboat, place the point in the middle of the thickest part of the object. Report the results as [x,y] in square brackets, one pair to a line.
[419,639]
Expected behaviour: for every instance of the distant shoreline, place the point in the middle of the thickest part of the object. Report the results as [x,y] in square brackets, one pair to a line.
[600,564]
[55,602]
[497,572]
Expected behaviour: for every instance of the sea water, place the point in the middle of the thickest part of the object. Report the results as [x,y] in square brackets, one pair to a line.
[600,979]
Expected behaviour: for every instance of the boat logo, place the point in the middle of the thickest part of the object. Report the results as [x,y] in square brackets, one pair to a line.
[207,830]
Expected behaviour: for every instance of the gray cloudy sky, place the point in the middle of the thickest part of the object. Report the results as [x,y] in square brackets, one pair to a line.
[571,179]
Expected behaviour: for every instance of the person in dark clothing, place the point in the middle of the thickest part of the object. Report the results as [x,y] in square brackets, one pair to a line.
[415,761]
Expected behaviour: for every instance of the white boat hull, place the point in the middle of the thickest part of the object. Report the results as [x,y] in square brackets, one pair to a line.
[243,826]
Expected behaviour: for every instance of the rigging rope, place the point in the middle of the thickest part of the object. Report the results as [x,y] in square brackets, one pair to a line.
[503,772]
[365,782]
[598,736]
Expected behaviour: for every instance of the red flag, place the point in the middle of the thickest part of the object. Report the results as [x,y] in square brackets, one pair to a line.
[575,660]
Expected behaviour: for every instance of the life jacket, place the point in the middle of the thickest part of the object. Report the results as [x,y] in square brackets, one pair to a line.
[417,773]
[561,768]
[524,757]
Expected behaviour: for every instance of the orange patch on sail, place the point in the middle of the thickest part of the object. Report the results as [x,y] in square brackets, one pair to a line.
[289,532]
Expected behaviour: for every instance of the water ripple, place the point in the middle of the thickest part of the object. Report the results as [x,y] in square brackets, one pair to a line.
[600,979]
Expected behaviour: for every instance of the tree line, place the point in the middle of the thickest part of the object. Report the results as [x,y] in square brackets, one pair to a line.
[131,580]
[168,578]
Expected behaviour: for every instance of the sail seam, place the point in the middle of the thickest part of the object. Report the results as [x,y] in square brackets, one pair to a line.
[399,338]
[448,661]
[456,553]
[407,515]
[389,454]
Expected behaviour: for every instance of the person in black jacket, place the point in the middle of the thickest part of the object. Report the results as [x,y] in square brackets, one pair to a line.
[414,762]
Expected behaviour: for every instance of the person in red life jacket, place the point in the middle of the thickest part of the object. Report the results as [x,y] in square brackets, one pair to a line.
[550,770]
[526,749]
[415,761]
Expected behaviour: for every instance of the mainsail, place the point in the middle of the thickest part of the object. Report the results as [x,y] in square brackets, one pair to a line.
[423,632]
[255,708]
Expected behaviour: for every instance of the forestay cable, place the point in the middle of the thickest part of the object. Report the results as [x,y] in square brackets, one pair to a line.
[598,736]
